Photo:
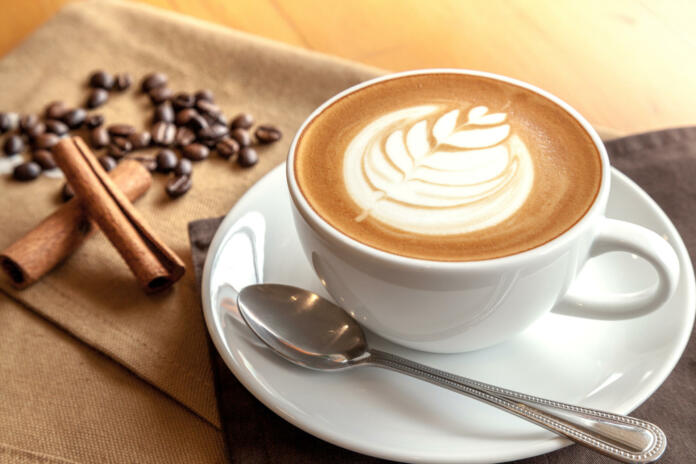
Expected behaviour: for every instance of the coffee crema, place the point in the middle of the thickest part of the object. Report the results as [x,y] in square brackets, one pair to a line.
[447,167]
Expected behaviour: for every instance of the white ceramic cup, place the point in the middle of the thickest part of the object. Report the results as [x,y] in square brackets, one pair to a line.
[450,307]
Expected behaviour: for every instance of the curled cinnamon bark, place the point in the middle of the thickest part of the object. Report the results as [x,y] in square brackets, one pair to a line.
[154,264]
[60,234]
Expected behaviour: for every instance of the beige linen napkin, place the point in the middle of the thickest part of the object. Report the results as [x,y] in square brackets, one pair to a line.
[62,401]
[92,392]
[161,339]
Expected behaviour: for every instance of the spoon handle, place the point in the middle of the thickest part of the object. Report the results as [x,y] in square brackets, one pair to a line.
[624,438]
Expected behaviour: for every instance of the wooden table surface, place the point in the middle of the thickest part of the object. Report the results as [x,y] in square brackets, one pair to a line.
[626,65]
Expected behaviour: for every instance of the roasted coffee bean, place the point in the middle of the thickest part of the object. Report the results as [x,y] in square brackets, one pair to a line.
[36,130]
[101,80]
[119,147]
[123,81]
[241,136]
[115,151]
[184,116]
[160,94]
[107,162]
[46,140]
[149,163]
[219,118]
[94,120]
[99,137]
[184,136]
[4,123]
[242,121]
[96,98]
[44,158]
[207,107]
[214,132]
[197,123]
[183,100]
[13,145]
[8,121]
[140,140]
[74,118]
[205,94]
[184,167]
[178,186]
[27,121]
[267,134]
[122,142]
[227,148]
[247,157]
[153,80]
[26,171]
[66,193]
[54,126]
[210,143]
[218,131]
[196,152]
[55,110]
[163,133]
[166,160]
[164,112]
[120,130]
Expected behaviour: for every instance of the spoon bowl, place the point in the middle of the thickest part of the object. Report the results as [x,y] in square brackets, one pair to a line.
[303,327]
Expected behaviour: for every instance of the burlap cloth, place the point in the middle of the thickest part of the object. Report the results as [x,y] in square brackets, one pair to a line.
[91,369]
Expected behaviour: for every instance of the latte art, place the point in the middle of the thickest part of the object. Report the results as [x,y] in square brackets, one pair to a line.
[433,169]
[447,166]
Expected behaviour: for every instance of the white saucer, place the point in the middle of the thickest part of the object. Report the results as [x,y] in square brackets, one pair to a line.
[597,364]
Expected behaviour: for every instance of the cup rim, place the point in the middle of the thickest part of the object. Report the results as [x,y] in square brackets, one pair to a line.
[319,224]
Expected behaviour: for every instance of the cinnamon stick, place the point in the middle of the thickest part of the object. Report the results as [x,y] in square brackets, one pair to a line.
[61,233]
[153,263]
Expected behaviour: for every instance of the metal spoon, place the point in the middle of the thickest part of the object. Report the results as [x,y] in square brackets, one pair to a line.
[312,332]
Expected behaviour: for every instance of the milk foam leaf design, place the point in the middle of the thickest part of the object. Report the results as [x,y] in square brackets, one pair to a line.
[477,115]
[480,137]
[428,169]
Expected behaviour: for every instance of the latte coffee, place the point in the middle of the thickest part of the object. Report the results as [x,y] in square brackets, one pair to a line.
[447,167]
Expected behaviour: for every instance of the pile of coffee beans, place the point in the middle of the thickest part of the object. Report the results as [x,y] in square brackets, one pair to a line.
[186,127]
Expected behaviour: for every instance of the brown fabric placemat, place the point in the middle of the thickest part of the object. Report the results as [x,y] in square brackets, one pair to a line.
[664,164]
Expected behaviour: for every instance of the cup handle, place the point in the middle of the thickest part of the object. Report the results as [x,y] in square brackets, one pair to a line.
[623,236]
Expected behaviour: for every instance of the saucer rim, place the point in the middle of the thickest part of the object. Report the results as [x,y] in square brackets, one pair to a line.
[536,446]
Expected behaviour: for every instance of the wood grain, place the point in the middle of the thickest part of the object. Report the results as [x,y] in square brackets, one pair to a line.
[626,65]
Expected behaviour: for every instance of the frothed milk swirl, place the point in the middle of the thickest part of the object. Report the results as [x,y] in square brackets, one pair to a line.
[437,170]
[447,167]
